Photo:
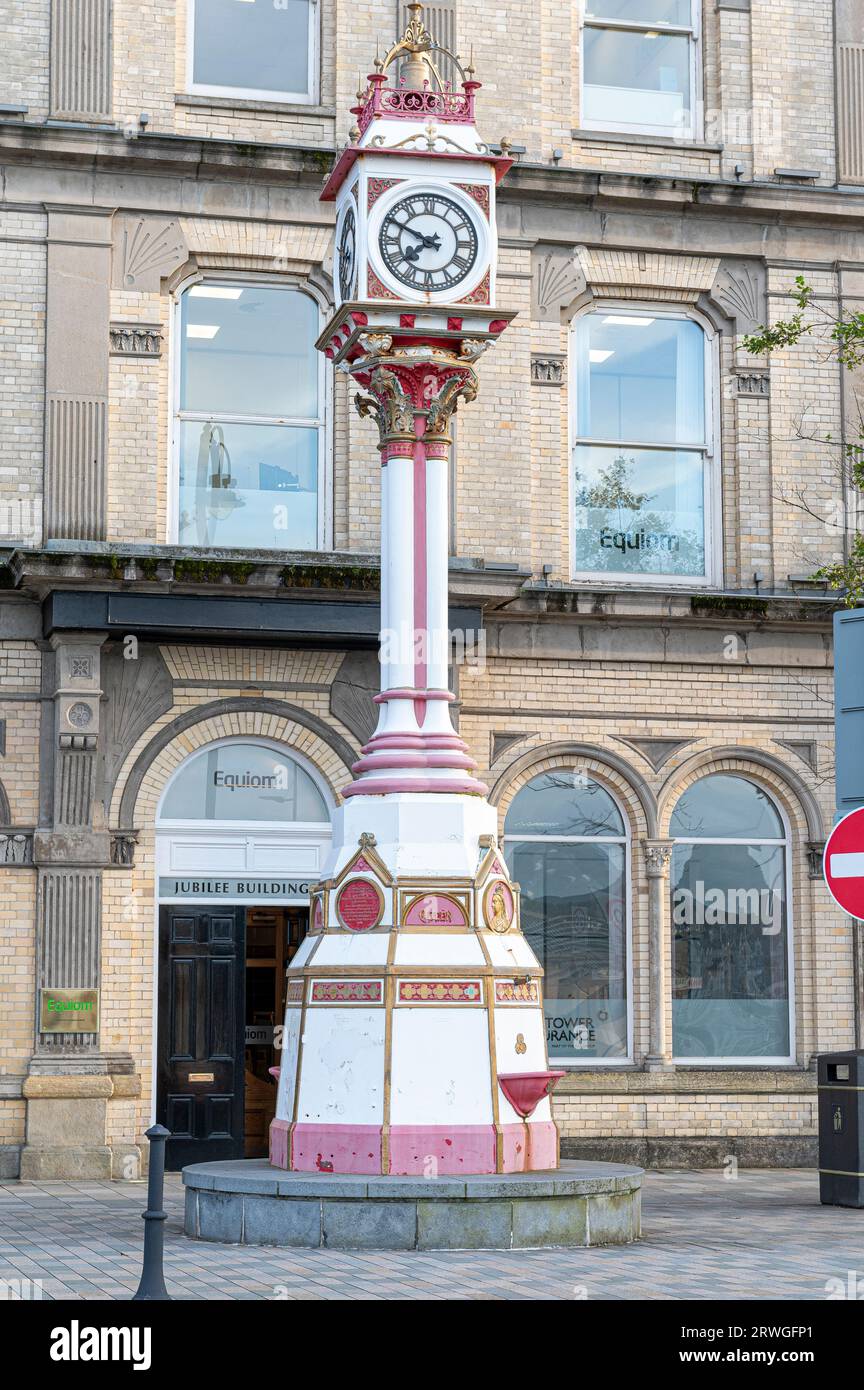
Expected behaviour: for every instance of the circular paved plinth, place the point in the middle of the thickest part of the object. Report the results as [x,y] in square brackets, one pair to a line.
[250,1203]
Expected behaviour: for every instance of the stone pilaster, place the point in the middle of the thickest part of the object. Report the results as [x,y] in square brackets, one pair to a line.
[76,372]
[68,1088]
[657,855]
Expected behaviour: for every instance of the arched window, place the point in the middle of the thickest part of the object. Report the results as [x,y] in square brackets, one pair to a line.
[644,455]
[242,782]
[249,421]
[566,845]
[730,938]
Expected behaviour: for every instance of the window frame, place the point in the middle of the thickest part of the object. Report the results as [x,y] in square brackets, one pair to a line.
[693,32]
[575,1062]
[245,94]
[786,845]
[323,423]
[710,450]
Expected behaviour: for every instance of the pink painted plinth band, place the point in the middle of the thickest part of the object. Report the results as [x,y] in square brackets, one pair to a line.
[415,1150]
[460,762]
[280,1134]
[528,1148]
[336,1148]
[406,693]
[418,740]
[387,786]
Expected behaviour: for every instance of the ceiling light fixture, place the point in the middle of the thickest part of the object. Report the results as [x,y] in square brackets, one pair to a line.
[637,320]
[214,292]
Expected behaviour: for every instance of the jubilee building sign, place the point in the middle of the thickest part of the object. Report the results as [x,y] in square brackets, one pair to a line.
[231,888]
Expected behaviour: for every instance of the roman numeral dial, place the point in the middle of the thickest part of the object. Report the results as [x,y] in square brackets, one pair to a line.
[347,254]
[429,242]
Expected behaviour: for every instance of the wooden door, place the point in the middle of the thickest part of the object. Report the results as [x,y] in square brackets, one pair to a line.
[201,1032]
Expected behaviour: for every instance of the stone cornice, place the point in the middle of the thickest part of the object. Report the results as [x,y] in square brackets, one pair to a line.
[110,150]
[102,148]
[703,194]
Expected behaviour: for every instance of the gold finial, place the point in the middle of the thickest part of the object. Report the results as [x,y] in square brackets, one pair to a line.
[414,50]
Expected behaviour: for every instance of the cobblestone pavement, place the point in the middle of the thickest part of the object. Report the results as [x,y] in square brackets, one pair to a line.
[763,1235]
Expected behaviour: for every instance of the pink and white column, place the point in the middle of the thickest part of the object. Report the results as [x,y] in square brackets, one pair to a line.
[414,748]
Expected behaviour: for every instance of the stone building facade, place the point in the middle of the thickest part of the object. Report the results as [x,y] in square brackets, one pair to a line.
[187,543]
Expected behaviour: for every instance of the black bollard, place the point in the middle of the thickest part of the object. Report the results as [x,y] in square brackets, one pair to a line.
[152,1286]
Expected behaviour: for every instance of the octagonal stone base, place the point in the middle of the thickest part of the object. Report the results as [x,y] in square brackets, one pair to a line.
[250,1203]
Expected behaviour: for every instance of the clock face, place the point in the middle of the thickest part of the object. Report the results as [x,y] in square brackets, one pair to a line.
[347,254]
[429,242]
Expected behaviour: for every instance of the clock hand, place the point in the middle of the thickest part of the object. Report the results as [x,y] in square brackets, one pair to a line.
[433,242]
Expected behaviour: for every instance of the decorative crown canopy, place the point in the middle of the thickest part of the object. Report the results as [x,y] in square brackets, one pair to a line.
[420,90]
[415,48]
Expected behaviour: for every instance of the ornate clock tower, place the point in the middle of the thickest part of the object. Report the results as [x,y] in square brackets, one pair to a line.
[414,1036]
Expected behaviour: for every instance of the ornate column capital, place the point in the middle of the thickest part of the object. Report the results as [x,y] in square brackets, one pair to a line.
[657,855]
[403,383]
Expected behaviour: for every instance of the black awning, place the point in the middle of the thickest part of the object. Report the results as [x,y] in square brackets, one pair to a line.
[306,622]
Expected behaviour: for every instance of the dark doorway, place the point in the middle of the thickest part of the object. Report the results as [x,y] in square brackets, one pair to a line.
[200,1032]
[221,1006]
[272,938]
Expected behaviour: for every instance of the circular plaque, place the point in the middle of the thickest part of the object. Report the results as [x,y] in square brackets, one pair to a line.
[79,715]
[498,906]
[360,905]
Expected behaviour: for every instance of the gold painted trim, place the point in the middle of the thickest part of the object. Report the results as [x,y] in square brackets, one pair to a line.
[347,1003]
[389,995]
[374,860]
[323,897]
[437,931]
[434,885]
[493,852]
[488,889]
[460,899]
[410,972]
[449,978]
[840,1173]
[493,1078]
[299,1072]
[840,1086]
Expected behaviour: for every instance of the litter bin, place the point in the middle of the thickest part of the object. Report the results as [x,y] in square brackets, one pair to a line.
[841,1129]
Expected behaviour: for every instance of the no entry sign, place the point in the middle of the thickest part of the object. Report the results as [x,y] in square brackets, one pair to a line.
[844,863]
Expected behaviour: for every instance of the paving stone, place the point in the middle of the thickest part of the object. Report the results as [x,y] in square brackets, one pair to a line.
[764,1236]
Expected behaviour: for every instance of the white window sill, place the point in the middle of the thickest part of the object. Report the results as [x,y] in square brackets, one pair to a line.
[246,103]
[639,138]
